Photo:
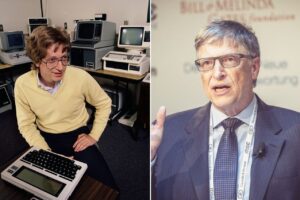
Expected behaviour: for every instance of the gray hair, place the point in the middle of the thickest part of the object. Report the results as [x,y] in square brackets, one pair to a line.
[226,29]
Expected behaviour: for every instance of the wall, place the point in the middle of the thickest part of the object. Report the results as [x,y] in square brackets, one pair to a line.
[175,80]
[134,11]
[14,14]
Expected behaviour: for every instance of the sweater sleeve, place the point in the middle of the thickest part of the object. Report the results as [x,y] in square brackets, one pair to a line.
[98,98]
[26,119]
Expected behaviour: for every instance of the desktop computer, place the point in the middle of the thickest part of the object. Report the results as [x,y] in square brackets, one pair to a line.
[88,57]
[94,34]
[12,48]
[93,40]
[135,39]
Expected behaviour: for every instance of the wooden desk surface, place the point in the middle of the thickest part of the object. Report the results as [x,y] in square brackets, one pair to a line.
[87,189]
[100,72]
[114,73]
[5,66]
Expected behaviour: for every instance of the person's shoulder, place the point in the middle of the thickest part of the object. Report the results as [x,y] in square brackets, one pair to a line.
[75,70]
[285,114]
[181,118]
[182,114]
[26,77]
[187,113]
[77,73]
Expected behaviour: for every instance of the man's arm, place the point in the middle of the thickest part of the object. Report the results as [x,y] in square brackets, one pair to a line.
[26,120]
[98,98]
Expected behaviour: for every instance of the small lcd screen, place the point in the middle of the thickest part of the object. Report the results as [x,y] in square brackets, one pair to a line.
[131,36]
[4,99]
[40,181]
[15,40]
[86,31]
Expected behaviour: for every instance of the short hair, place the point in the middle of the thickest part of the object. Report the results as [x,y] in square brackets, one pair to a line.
[226,29]
[41,39]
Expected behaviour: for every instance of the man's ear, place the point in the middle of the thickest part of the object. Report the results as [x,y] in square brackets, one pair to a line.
[255,67]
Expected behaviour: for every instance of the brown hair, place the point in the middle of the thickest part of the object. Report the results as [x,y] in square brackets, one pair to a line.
[41,39]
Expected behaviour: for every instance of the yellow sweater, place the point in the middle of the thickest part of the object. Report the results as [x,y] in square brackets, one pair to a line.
[61,112]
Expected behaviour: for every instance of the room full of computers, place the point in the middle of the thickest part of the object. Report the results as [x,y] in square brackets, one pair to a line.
[94,47]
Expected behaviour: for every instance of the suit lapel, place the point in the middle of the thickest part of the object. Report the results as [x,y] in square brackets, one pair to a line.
[267,131]
[196,151]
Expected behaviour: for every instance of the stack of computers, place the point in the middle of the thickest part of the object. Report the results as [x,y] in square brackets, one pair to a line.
[93,39]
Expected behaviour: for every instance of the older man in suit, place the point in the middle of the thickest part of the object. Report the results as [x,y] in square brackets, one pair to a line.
[236,146]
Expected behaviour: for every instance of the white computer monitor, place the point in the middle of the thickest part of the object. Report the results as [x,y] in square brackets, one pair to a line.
[12,40]
[134,38]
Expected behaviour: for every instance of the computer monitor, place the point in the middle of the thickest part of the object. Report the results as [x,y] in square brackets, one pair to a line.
[134,38]
[11,40]
[95,31]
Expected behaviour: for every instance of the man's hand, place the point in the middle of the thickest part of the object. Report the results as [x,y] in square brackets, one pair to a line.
[156,132]
[83,141]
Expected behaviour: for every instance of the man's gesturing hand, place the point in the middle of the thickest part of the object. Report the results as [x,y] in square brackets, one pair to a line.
[156,132]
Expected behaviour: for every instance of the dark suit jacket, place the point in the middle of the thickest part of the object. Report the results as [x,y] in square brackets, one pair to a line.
[181,168]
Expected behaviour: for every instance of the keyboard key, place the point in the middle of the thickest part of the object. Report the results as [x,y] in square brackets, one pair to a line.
[52,162]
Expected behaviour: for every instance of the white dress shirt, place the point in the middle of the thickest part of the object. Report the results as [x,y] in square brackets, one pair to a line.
[241,133]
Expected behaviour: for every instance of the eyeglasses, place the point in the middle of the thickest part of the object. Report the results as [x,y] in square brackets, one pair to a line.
[227,61]
[53,62]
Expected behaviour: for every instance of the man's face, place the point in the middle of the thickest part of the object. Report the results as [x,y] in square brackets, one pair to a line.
[52,71]
[229,89]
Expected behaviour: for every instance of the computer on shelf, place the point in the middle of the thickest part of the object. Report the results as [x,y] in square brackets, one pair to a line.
[135,40]
[12,48]
[93,39]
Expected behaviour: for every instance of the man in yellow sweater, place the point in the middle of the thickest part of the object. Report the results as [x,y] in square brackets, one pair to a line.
[51,103]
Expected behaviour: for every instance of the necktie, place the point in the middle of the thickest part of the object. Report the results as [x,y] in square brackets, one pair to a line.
[226,163]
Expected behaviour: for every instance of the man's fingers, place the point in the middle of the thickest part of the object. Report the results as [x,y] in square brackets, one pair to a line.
[80,138]
[160,117]
[83,141]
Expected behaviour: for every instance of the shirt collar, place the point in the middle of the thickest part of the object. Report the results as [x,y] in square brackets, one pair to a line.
[45,87]
[244,116]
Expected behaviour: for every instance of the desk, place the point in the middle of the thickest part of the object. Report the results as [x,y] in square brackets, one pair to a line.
[87,189]
[5,66]
[8,71]
[114,75]
[8,66]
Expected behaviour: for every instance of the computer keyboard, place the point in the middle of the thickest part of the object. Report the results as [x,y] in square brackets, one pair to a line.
[45,174]
[52,163]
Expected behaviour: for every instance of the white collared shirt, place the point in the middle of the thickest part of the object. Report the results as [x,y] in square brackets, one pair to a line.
[241,133]
[51,90]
